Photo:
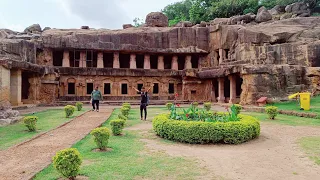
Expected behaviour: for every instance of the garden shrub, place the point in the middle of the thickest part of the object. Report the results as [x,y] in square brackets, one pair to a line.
[101,137]
[117,126]
[195,104]
[79,106]
[207,106]
[30,122]
[233,132]
[272,111]
[125,111]
[127,105]
[121,116]
[67,162]
[69,110]
[238,108]
[169,105]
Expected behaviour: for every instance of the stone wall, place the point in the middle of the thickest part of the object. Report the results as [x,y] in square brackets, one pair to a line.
[197,90]
[4,86]
[115,82]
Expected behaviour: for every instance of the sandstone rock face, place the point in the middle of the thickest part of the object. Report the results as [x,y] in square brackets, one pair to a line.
[85,27]
[35,28]
[298,8]
[263,15]
[154,39]
[46,28]
[126,26]
[242,19]
[156,19]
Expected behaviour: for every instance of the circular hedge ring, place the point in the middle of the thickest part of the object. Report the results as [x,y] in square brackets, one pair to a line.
[194,132]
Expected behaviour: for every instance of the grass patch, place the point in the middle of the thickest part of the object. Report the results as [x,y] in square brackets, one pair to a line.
[285,119]
[294,106]
[17,133]
[311,145]
[129,159]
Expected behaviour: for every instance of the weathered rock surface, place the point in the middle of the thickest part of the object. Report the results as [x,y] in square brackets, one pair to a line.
[9,117]
[35,28]
[263,15]
[46,28]
[156,19]
[241,19]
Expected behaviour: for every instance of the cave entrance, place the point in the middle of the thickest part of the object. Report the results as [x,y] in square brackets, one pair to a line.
[153,62]
[108,60]
[181,62]
[167,61]
[124,60]
[25,85]
[57,56]
[139,61]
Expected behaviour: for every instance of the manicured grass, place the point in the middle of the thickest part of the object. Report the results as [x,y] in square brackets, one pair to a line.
[129,159]
[312,147]
[294,106]
[49,119]
[286,120]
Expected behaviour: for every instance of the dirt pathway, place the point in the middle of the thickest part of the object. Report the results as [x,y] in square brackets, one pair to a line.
[274,155]
[25,160]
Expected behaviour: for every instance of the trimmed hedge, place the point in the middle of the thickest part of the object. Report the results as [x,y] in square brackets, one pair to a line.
[30,122]
[69,110]
[79,106]
[117,126]
[67,162]
[207,132]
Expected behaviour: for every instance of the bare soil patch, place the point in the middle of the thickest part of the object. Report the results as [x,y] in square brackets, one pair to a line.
[25,160]
[99,150]
[274,155]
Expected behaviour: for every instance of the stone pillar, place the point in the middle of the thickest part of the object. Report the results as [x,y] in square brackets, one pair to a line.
[83,59]
[66,59]
[174,65]
[16,87]
[116,62]
[4,85]
[146,64]
[233,89]
[133,62]
[221,97]
[160,62]
[188,64]
[222,54]
[216,60]
[100,60]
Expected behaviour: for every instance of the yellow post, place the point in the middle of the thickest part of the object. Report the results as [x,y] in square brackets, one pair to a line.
[305,101]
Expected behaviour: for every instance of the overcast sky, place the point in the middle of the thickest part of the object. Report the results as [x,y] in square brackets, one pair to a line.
[111,14]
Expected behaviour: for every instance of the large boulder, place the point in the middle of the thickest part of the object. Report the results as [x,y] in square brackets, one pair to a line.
[184,24]
[126,26]
[35,28]
[263,15]
[156,19]
[277,10]
[247,18]
[299,8]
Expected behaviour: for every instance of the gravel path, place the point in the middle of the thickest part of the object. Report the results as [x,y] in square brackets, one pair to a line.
[25,160]
[274,155]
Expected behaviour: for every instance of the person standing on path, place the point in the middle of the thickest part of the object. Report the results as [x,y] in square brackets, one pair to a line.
[96,96]
[144,101]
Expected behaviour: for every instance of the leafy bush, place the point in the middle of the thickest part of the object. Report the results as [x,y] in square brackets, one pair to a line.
[79,106]
[238,108]
[125,111]
[207,106]
[121,116]
[101,137]
[195,104]
[195,114]
[272,111]
[30,122]
[234,132]
[117,126]
[69,110]
[127,105]
[169,105]
[67,162]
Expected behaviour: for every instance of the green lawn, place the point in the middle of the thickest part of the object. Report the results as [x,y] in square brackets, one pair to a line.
[311,145]
[286,120]
[49,119]
[294,106]
[129,159]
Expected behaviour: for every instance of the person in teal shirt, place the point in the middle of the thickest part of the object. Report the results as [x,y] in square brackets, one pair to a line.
[96,96]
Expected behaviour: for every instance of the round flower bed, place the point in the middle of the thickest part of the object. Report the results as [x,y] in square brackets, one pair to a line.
[233,132]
